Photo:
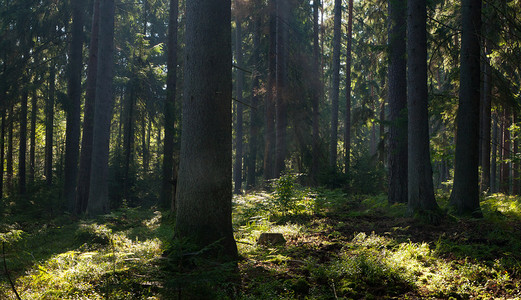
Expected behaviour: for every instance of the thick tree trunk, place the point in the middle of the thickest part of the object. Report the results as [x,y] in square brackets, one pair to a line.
[98,190]
[317,92]
[237,170]
[167,195]
[269,140]
[281,114]
[465,193]
[82,194]
[204,194]
[337,33]
[347,117]
[32,138]
[49,126]
[420,186]
[22,181]
[72,144]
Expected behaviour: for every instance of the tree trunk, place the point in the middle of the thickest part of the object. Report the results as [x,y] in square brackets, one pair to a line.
[22,181]
[347,118]
[317,92]
[504,179]
[82,194]
[237,170]
[269,143]
[98,190]
[281,114]
[254,114]
[493,162]
[2,151]
[465,193]
[485,140]
[515,163]
[32,138]
[49,126]
[204,194]
[128,136]
[167,195]
[335,84]
[420,185]
[9,159]
[72,144]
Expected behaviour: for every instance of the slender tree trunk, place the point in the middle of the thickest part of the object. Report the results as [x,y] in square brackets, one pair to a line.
[167,199]
[347,118]
[22,181]
[237,172]
[493,163]
[485,140]
[2,151]
[281,114]
[72,143]
[317,92]
[254,114]
[9,159]
[420,185]
[204,194]
[269,143]
[82,194]
[98,190]
[465,193]
[32,138]
[504,180]
[515,163]
[49,126]
[335,84]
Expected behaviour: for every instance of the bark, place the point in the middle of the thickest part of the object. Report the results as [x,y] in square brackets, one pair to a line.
[72,143]
[49,126]
[493,163]
[317,91]
[333,141]
[22,180]
[2,151]
[82,194]
[32,138]
[347,117]
[204,194]
[167,195]
[504,176]
[254,114]
[98,190]
[281,114]
[465,193]
[420,185]
[269,140]
[128,136]
[237,170]
[485,139]
[515,163]
[9,159]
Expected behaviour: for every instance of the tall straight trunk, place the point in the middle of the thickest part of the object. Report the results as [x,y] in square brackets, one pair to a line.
[420,185]
[333,141]
[485,139]
[381,137]
[22,180]
[82,194]
[167,194]
[72,139]
[281,114]
[2,151]
[144,150]
[128,136]
[504,178]
[237,170]
[515,163]
[317,92]
[347,117]
[254,114]
[204,195]
[9,159]
[32,138]
[98,190]
[465,193]
[49,126]
[269,140]
[493,162]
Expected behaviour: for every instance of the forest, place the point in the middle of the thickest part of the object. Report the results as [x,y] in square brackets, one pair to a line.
[260,149]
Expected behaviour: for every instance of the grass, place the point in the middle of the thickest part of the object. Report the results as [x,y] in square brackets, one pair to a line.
[338,246]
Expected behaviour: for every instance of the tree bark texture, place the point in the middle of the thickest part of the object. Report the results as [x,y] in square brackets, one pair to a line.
[347,117]
[204,194]
[485,139]
[98,189]
[281,114]
[269,140]
[333,141]
[420,185]
[504,174]
[239,126]
[32,138]
[317,92]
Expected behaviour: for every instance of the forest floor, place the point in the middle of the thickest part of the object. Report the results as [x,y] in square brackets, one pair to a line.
[338,246]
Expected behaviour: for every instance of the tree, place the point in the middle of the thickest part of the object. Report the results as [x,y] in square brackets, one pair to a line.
[465,193]
[347,118]
[204,191]
[98,189]
[72,142]
[281,112]
[23,143]
[169,114]
[335,84]
[397,95]
[237,170]
[269,137]
[316,92]
[420,186]
[49,125]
